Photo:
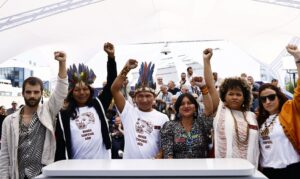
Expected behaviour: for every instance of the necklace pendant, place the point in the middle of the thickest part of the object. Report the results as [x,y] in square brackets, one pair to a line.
[265,132]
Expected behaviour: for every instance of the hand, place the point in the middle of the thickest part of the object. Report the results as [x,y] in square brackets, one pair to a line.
[198,78]
[200,84]
[109,49]
[294,51]
[207,54]
[199,81]
[132,63]
[60,56]
[120,127]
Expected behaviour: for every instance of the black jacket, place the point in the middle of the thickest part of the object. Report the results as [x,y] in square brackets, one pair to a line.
[105,97]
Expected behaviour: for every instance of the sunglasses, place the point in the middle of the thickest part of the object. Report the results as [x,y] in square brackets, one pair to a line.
[271,97]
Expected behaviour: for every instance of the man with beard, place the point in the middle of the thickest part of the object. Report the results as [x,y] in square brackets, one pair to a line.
[28,139]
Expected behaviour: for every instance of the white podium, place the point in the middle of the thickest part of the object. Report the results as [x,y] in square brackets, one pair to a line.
[152,168]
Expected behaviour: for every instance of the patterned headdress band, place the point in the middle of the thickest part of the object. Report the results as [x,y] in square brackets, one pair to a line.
[82,74]
[145,81]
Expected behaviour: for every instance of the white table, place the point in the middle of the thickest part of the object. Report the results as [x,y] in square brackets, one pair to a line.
[152,168]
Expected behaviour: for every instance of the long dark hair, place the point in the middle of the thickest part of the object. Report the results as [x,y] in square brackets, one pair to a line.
[179,101]
[72,106]
[262,113]
[234,83]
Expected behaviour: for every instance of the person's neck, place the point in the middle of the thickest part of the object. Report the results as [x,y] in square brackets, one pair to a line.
[148,110]
[29,110]
[187,123]
[187,120]
[274,112]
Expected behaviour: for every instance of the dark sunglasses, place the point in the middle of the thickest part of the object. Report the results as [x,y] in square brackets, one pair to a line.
[271,97]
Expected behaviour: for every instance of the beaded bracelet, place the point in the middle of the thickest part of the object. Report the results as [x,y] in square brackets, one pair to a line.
[124,72]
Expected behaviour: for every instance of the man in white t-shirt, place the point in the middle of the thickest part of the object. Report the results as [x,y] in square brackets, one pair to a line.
[141,123]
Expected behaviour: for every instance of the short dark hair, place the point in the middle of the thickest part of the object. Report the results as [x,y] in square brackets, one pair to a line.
[179,101]
[233,83]
[274,80]
[32,81]
[188,68]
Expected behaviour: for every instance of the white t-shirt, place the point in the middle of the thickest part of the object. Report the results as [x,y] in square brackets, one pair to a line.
[141,131]
[86,137]
[276,149]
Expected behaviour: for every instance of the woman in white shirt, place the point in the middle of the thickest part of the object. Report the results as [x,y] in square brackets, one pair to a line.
[279,122]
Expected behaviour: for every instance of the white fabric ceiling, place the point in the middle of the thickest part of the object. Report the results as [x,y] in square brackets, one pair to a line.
[260,29]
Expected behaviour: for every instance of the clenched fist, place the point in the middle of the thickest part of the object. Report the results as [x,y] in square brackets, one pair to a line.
[294,51]
[132,63]
[109,49]
[60,56]
[207,54]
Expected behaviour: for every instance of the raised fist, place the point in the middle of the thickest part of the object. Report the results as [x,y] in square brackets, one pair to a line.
[132,63]
[109,49]
[293,50]
[60,56]
[207,53]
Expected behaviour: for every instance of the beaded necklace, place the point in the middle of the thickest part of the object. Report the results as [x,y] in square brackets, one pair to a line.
[266,130]
[237,130]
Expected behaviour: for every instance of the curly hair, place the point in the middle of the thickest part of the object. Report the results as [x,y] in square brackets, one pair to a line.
[237,83]
[263,115]
[72,106]
[179,101]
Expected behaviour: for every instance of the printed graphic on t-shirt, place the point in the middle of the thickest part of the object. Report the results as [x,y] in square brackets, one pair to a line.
[84,119]
[82,123]
[267,143]
[143,128]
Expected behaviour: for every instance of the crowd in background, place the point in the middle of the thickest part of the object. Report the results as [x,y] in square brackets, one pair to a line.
[196,117]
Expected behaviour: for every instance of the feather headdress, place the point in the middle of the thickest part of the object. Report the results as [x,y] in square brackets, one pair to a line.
[82,74]
[145,81]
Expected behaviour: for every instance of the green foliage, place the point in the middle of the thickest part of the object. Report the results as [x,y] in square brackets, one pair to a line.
[290,87]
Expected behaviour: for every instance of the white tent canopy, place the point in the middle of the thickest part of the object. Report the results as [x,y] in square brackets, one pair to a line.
[260,29]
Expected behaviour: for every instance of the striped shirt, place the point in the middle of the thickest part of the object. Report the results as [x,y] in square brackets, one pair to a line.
[30,149]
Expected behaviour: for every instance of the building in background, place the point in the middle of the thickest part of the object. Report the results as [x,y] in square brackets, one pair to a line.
[16,75]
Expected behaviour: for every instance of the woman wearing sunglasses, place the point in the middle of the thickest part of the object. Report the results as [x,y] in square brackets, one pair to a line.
[279,122]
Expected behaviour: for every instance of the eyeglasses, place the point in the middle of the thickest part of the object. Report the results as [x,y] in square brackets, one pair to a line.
[271,97]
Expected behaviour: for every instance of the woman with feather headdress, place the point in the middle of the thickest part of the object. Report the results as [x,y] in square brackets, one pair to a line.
[82,128]
[142,123]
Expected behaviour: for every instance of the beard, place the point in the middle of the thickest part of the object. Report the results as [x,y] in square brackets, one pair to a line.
[32,102]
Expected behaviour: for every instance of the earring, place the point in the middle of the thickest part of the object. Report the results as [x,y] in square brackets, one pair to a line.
[178,116]
[195,115]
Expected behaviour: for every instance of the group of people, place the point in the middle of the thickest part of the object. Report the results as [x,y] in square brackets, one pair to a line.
[39,134]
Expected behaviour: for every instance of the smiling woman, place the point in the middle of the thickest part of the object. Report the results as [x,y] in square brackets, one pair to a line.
[279,123]
[188,136]
[82,130]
